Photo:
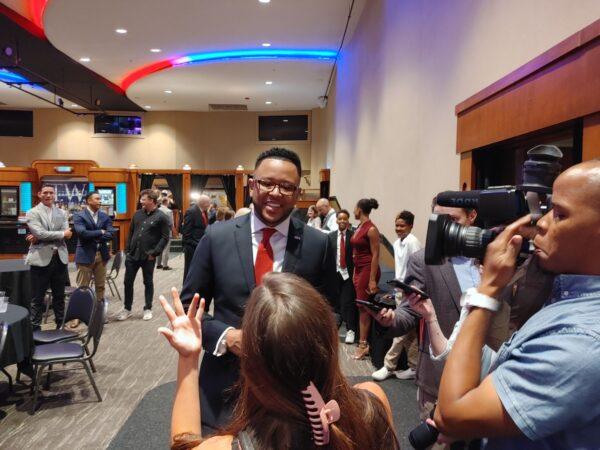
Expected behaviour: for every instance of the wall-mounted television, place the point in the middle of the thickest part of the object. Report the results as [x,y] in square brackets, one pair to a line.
[126,125]
[16,123]
[107,200]
[283,128]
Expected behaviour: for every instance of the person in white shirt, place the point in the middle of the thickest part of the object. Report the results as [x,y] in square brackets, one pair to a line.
[314,220]
[404,246]
[328,216]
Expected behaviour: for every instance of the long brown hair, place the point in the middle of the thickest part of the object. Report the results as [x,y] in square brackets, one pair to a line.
[290,339]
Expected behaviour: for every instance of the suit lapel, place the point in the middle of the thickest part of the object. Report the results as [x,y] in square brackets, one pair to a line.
[293,247]
[243,241]
[449,276]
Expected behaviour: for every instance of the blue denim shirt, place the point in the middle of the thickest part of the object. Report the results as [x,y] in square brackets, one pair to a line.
[547,374]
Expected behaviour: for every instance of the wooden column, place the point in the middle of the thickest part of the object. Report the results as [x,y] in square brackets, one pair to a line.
[467,172]
[239,189]
[591,137]
[187,187]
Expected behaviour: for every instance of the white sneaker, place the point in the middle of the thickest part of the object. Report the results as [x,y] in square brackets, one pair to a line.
[382,374]
[124,314]
[147,314]
[408,374]
[350,336]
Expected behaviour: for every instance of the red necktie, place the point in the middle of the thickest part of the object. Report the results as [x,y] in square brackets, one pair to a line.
[204,218]
[264,256]
[343,250]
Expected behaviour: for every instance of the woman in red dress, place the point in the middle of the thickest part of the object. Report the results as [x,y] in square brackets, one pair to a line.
[365,253]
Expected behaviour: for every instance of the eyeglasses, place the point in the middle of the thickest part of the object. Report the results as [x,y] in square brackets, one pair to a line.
[286,189]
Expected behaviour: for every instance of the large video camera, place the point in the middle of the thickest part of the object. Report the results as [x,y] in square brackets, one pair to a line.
[495,206]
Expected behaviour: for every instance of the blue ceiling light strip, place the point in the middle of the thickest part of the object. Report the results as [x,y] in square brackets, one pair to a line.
[10,77]
[255,54]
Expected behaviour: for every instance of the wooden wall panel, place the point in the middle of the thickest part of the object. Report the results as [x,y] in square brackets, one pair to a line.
[591,137]
[560,85]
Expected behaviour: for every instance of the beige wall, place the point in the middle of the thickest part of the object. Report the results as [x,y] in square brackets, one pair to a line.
[390,129]
[171,139]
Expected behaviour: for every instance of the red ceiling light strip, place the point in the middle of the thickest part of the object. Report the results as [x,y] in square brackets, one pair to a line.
[24,23]
[36,11]
[144,71]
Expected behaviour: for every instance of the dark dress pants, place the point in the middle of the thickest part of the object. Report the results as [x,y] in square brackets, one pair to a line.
[53,275]
[346,300]
[188,254]
[131,269]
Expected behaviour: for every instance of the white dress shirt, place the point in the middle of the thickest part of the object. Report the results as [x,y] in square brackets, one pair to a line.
[278,244]
[48,211]
[402,250]
[342,271]
[94,215]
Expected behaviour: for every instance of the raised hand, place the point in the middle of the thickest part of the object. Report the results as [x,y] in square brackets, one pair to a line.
[185,334]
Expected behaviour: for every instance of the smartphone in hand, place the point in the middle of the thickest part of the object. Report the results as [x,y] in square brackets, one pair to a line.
[407,288]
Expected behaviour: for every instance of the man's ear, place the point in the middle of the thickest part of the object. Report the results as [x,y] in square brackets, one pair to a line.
[472,216]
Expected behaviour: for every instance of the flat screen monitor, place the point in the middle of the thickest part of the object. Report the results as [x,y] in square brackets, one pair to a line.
[16,123]
[109,124]
[283,128]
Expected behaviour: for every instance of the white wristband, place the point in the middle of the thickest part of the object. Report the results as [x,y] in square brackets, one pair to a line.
[473,298]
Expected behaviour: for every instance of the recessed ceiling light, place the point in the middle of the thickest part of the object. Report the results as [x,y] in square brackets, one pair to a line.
[74,106]
[155,50]
[168,91]
[285,120]
[264,1]
[85,59]
[266,44]
[268,82]
[148,107]
[268,102]
[121,31]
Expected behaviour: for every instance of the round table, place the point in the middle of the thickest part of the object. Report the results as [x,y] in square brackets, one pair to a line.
[19,342]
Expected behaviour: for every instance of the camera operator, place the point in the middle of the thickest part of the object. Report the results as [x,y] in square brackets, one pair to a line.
[542,391]
[445,284]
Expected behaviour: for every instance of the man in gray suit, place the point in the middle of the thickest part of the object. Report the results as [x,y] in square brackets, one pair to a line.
[48,255]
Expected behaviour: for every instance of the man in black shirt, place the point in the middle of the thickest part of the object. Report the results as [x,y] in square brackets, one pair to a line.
[148,236]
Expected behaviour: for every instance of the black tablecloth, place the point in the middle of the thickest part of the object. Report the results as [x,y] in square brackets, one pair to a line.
[19,342]
[16,281]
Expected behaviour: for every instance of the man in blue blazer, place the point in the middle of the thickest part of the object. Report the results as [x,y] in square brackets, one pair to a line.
[94,232]
[230,261]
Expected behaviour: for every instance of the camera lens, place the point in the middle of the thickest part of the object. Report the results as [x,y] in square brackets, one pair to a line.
[423,436]
[466,241]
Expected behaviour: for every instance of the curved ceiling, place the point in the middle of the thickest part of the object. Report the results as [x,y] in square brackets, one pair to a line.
[86,28]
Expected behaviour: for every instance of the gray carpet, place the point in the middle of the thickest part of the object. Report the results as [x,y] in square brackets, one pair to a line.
[149,424]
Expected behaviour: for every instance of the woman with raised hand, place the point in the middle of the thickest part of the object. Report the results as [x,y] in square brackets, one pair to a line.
[292,392]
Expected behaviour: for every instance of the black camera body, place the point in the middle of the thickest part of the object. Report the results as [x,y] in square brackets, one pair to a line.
[495,206]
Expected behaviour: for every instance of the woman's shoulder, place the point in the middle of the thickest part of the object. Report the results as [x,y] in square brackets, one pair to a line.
[217,443]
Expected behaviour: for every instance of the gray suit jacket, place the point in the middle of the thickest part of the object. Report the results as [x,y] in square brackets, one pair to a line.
[441,283]
[49,235]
